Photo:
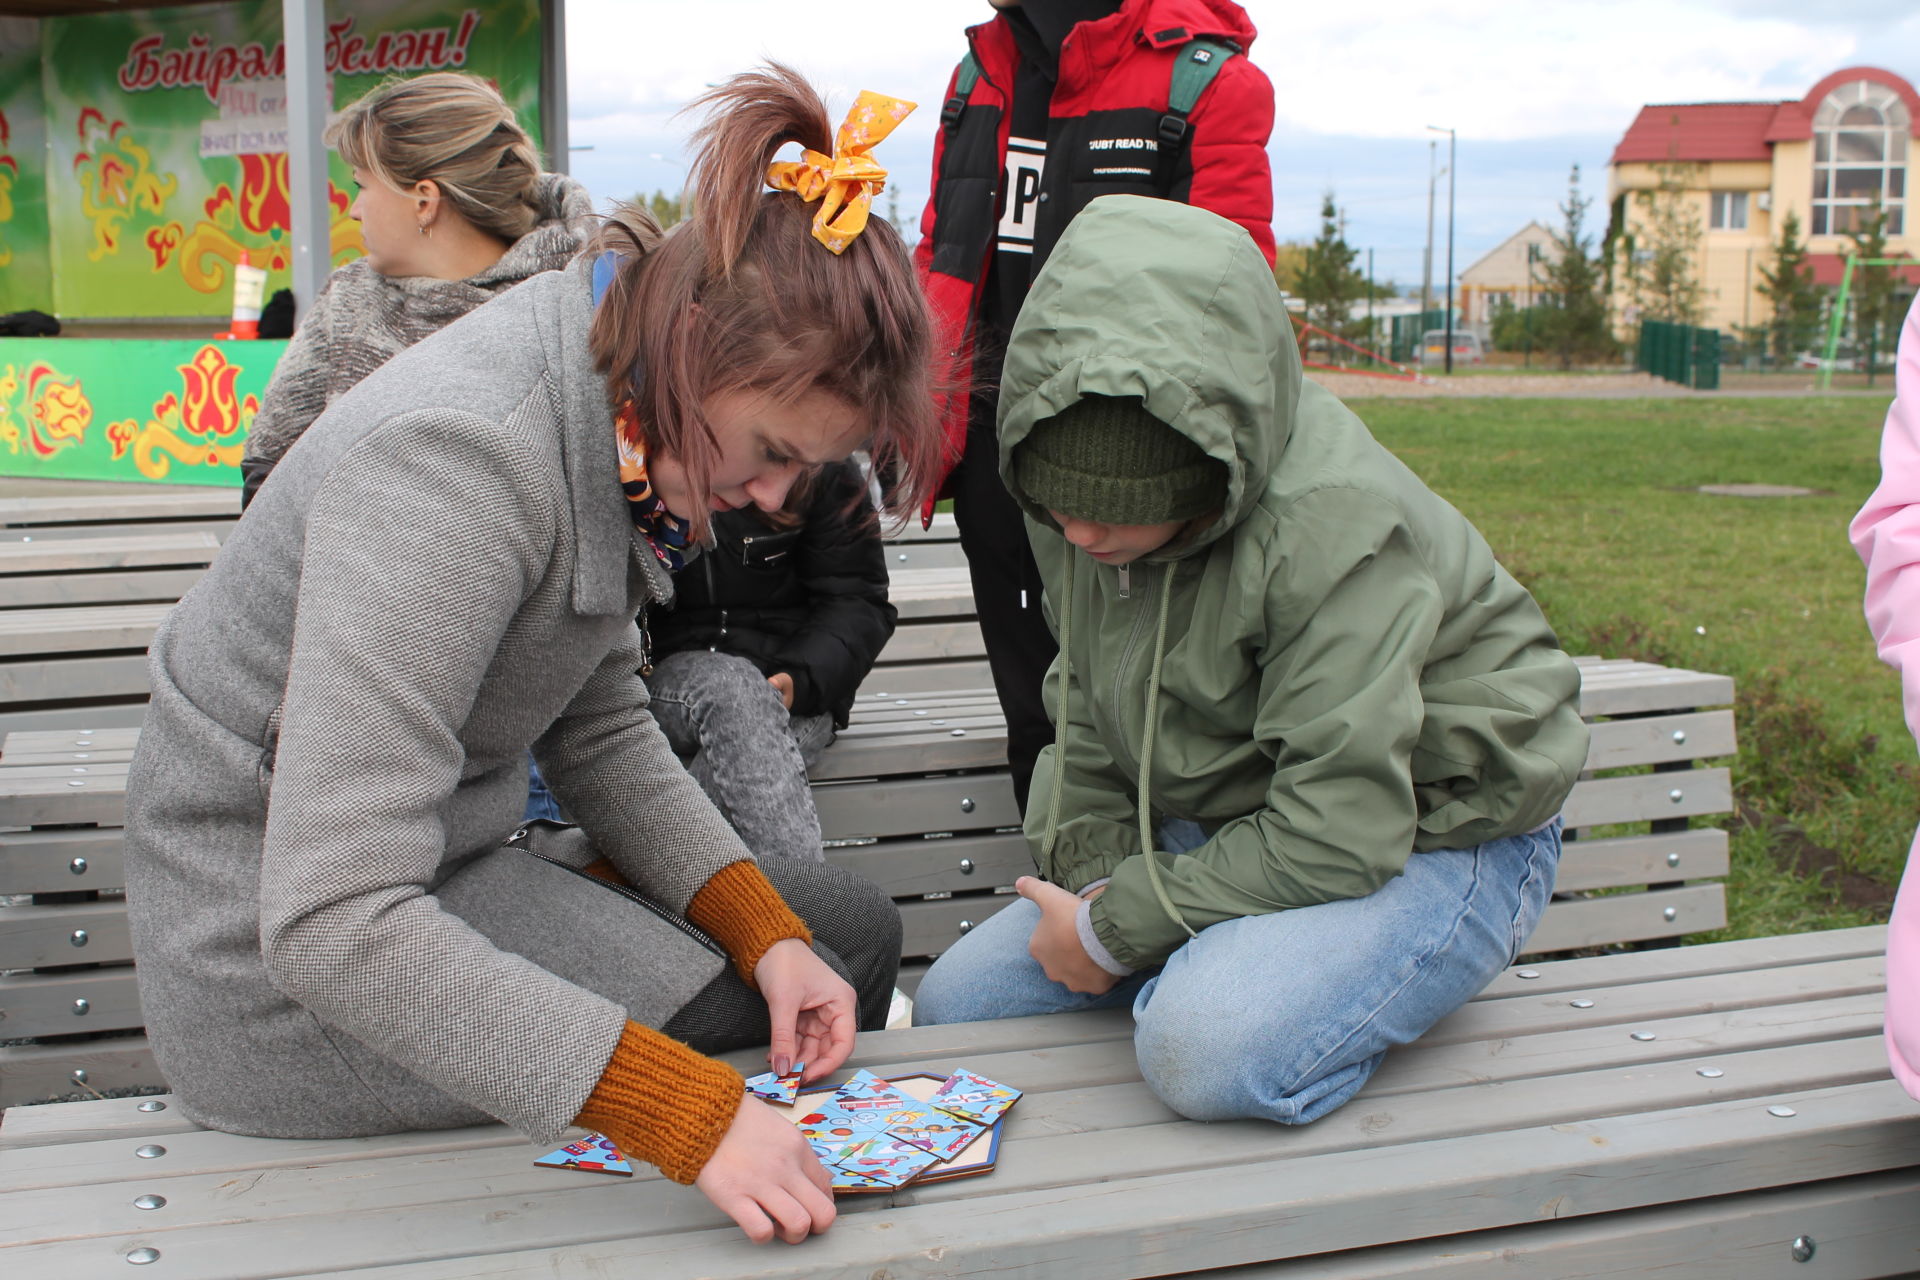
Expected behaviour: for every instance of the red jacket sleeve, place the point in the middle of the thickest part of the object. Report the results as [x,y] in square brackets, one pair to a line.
[923,252]
[1232,122]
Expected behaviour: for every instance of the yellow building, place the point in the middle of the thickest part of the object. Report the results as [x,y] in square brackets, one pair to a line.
[1743,166]
[1508,276]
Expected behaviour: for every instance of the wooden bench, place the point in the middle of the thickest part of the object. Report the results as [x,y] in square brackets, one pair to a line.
[1715,1111]
[915,796]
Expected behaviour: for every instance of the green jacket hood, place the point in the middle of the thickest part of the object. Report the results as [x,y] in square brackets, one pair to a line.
[1174,305]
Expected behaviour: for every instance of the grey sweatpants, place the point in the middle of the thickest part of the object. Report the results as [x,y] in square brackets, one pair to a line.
[740,744]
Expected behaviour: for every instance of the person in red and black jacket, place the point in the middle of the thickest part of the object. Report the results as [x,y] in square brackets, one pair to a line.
[1068,106]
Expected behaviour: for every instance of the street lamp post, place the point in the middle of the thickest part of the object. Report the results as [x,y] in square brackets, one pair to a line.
[1450,176]
[1426,259]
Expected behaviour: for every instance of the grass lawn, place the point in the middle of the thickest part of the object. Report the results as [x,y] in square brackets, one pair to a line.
[1591,504]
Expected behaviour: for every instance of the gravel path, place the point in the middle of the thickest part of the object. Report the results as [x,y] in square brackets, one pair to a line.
[1579,386]
[1349,386]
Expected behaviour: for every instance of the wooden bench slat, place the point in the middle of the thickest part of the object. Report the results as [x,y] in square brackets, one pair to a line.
[146,550]
[934,642]
[1649,797]
[1570,924]
[973,802]
[39,937]
[80,629]
[1587,974]
[33,1004]
[1859,1224]
[33,1071]
[90,715]
[136,502]
[908,867]
[70,679]
[1642,860]
[926,677]
[1636,694]
[1698,735]
[99,588]
[43,861]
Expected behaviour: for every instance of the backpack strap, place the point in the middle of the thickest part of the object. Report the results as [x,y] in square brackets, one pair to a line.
[967,77]
[1198,62]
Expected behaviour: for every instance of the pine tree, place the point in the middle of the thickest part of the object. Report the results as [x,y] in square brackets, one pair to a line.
[1326,280]
[666,209]
[1662,271]
[1787,282]
[1571,321]
[1872,285]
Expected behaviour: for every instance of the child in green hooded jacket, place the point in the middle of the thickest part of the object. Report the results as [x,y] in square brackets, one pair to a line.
[1311,739]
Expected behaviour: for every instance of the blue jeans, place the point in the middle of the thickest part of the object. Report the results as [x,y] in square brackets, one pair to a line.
[1282,1017]
[541,803]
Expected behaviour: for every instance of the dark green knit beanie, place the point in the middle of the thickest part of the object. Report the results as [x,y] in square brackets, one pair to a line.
[1106,458]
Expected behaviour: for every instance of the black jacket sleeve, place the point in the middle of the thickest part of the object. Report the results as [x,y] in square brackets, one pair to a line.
[842,565]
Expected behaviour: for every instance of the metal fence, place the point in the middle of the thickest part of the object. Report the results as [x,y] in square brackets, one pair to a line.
[1681,353]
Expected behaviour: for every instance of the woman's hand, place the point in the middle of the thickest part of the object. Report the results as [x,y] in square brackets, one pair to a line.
[783,685]
[766,1178]
[1056,941]
[813,1011]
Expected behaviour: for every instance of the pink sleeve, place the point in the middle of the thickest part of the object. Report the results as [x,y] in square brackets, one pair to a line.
[1886,533]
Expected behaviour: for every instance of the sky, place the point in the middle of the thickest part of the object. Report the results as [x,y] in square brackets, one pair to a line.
[1531,87]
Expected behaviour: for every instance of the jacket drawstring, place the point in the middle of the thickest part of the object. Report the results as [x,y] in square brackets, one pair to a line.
[1145,803]
[1060,724]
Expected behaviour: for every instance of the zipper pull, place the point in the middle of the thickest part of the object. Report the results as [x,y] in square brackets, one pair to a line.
[1126,582]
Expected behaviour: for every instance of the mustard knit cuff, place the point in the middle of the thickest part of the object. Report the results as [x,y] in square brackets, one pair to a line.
[746,913]
[663,1103]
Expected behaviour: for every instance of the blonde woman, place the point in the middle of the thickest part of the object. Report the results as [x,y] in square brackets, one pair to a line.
[454,209]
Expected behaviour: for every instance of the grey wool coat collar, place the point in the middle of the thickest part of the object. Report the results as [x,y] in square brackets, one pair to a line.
[592,463]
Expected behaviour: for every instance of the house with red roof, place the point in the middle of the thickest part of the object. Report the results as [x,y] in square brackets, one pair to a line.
[1741,167]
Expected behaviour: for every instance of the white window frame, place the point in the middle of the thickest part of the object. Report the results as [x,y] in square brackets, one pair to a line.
[1835,214]
[1729,211]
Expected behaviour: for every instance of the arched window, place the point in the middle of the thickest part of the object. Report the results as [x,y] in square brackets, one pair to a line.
[1859,157]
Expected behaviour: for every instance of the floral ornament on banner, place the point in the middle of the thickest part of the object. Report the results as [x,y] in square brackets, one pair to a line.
[845,182]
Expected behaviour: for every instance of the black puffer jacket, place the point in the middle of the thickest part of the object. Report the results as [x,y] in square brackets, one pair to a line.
[810,601]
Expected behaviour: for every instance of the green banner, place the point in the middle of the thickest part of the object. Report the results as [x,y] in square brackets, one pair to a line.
[167,136]
[173,412]
[26,271]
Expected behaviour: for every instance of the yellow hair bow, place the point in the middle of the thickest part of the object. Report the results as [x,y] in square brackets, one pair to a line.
[845,182]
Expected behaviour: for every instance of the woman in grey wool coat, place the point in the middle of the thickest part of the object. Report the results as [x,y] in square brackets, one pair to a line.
[334,935]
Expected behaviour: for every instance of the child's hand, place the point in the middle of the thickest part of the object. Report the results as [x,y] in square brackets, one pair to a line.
[783,685]
[1056,943]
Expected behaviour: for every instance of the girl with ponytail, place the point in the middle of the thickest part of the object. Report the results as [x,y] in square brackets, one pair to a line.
[339,928]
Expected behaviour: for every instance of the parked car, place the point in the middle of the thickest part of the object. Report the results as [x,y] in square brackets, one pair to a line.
[1466,347]
[1845,359]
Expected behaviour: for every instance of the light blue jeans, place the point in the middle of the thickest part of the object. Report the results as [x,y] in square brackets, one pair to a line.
[1282,1017]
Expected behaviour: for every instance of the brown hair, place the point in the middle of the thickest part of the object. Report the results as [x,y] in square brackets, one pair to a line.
[454,129]
[740,295]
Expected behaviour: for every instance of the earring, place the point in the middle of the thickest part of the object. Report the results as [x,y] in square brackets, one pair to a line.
[423,229]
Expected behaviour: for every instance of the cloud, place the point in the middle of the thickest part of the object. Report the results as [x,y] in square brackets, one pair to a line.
[1531,86]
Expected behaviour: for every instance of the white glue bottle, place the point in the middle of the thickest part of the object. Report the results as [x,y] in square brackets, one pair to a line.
[249,295]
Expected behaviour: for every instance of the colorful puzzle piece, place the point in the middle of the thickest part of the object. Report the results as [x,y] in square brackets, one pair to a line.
[782,1089]
[944,1135]
[974,1097]
[886,1159]
[594,1153]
